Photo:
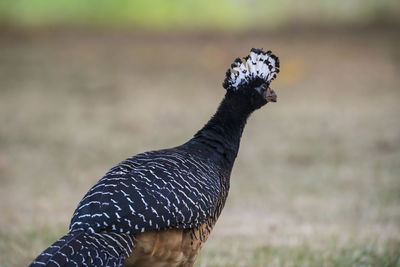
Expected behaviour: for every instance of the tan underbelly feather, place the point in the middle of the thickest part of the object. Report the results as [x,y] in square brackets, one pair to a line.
[174,247]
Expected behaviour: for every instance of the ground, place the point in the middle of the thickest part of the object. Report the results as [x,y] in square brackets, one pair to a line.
[317,179]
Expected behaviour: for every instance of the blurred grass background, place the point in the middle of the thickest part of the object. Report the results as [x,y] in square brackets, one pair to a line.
[224,15]
[84,85]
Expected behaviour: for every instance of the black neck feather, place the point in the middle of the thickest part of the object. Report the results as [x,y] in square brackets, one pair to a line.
[223,131]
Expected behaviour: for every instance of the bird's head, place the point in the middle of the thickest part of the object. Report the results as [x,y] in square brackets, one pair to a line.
[251,76]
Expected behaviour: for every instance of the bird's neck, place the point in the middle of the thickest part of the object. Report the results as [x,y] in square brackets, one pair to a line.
[223,131]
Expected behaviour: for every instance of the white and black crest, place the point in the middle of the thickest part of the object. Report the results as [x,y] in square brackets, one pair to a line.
[259,67]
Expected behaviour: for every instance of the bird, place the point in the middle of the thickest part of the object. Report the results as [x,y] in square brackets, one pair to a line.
[158,208]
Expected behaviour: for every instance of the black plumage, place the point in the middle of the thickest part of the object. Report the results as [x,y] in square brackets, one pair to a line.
[178,188]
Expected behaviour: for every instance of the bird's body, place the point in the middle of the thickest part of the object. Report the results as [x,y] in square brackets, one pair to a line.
[158,208]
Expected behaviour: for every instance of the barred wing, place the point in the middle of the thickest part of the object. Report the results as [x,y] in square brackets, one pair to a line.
[150,191]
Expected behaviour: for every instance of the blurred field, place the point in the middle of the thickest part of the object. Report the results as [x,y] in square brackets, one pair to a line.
[317,179]
[225,15]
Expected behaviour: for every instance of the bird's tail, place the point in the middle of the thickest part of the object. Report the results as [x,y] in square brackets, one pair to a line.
[90,249]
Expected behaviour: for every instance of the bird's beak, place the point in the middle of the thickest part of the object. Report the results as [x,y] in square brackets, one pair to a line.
[267,93]
[270,95]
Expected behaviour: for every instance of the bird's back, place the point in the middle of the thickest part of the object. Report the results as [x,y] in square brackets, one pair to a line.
[157,190]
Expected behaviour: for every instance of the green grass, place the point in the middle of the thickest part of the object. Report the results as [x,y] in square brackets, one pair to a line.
[316,182]
[16,245]
[194,15]
[231,253]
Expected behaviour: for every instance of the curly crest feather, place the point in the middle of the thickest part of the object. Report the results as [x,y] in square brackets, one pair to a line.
[258,67]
